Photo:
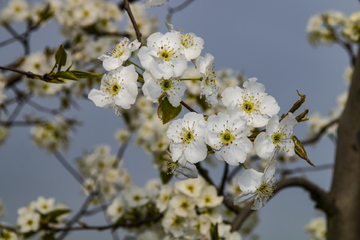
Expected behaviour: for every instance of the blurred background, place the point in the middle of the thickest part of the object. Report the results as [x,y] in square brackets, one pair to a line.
[263,39]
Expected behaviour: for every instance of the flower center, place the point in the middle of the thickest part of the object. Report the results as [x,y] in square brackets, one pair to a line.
[227,137]
[166,85]
[119,209]
[265,190]
[184,205]
[248,107]
[118,50]
[186,40]
[187,136]
[276,137]
[166,52]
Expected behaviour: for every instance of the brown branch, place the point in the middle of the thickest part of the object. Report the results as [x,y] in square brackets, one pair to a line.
[171,11]
[223,180]
[187,107]
[136,28]
[306,169]
[320,133]
[107,227]
[68,167]
[27,74]
[323,200]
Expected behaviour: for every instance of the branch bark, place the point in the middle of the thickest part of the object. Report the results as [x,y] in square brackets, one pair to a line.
[345,224]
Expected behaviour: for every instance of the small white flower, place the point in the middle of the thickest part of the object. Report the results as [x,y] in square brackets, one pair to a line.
[119,54]
[45,205]
[277,137]
[162,56]
[255,184]
[191,187]
[135,197]
[116,209]
[29,221]
[192,45]
[172,87]
[8,235]
[118,89]
[163,199]
[251,102]
[208,84]
[209,197]
[187,140]
[174,224]
[182,205]
[228,137]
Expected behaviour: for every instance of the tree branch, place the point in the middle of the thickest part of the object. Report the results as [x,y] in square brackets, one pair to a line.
[320,133]
[136,28]
[171,11]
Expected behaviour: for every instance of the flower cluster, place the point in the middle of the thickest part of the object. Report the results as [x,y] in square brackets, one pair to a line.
[103,172]
[190,207]
[52,135]
[41,212]
[316,228]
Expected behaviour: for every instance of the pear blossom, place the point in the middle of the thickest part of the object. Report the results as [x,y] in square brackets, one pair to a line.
[44,205]
[251,102]
[163,199]
[162,56]
[255,184]
[277,137]
[227,136]
[190,187]
[209,89]
[135,197]
[187,140]
[173,89]
[182,205]
[116,209]
[209,197]
[28,221]
[119,54]
[118,89]
[8,235]
[174,224]
[192,45]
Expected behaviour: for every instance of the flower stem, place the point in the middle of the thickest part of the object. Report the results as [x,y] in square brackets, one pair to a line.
[136,65]
[185,79]
[243,166]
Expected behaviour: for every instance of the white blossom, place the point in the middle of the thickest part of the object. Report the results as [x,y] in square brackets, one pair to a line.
[29,221]
[209,197]
[209,89]
[162,56]
[277,137]
[173,89]
[255,184]
[116,209]
[118,89]
[251,102]
[119,54]
[227,136]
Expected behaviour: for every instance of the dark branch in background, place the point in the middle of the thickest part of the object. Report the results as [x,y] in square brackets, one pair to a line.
[234,172]
[68,167]
[77,216]
[306,169]
[122,148]
[348,48]
[320,133]
[136,28]
[171,11]
[323,200]
[43,109]
[223,180]
[27,74]
[107,227]
[33,122]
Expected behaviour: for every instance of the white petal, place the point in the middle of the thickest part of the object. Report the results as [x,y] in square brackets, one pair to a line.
[99,98]
[249,180]
[263,146]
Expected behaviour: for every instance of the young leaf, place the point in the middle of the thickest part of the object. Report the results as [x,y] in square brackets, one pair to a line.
[165,176]
[51,216]
[60,57]
[83,74]
[214,232]
[66,75]
[166,111]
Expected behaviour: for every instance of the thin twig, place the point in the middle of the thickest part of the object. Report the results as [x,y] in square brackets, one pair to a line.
[307,169]
[187,106]
[223,180]
[171,11]
[136,28]
[28,74]
[68,167]
[320,133]
[43,109]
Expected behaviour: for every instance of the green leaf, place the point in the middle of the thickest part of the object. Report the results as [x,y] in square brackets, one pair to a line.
[29,234]
[165,176]
[60,57]
[214,232]
[46,13]
[51,216]
[83,74]
[66,75]
[166,111]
